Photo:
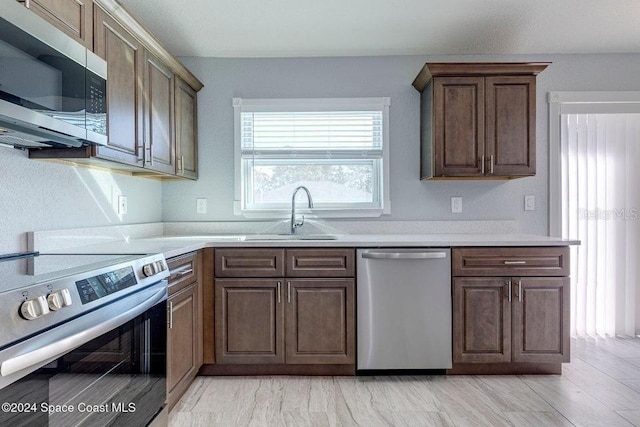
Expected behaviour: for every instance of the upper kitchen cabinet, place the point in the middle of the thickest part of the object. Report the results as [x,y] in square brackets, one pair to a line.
[74,17]
[159,140]
[478,120]
[151,102]
[186,114]
[124,56]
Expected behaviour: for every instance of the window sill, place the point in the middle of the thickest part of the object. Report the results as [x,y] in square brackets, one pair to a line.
[316,213]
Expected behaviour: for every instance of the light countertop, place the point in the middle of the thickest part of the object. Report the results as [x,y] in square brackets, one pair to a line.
[172,246]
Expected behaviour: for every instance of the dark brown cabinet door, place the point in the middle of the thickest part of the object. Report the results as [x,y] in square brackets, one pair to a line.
[71,16]
[320,327]
[481,320]
[181,337]
[458,126]
[124,56]
[541,319]
[511,125]
[159,136]
[249,321]
[186,105]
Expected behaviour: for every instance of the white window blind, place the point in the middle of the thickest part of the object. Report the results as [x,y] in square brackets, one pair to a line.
[325,134]
[335,147]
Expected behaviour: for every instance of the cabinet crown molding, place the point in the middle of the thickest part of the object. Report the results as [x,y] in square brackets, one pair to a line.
[462,69]
[120,14]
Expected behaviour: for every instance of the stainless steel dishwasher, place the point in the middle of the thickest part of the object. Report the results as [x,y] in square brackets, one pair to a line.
[404,309]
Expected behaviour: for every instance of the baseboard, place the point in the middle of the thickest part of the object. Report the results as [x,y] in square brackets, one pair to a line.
[264,369]
[505,369]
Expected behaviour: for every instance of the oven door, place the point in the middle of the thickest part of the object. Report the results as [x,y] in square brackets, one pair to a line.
[115,379]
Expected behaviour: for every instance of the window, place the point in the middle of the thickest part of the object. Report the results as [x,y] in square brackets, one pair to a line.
[337,148]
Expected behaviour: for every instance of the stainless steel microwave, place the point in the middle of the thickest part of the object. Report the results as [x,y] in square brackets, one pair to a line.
[52,89]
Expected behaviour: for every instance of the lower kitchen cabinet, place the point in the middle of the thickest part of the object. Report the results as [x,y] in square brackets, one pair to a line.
[184,325]
[511,320]
[481,320]
[273,321]
[249,321]
[541,320]
[320,319]
[182,333]
[519,322]
[293,323]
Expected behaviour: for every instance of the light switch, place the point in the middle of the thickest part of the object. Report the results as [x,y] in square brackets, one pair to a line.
[529,203]
[201,206]
[456,204]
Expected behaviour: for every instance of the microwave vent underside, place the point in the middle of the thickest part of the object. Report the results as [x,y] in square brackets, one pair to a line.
[22,140]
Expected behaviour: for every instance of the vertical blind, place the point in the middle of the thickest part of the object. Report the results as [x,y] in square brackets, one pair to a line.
[600,201]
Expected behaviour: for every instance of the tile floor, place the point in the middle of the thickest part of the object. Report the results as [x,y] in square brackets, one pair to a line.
[601,387]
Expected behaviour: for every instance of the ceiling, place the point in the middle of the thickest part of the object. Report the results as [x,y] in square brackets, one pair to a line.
[290,28]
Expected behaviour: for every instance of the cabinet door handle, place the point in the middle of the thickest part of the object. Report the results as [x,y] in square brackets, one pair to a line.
[170,315]
[288,291]
[482,163]
[150,150]
[509,289]
[491,164]
[279,286]
[520,290]
[181,165]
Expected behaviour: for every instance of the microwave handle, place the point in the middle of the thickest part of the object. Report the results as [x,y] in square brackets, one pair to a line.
[51,351]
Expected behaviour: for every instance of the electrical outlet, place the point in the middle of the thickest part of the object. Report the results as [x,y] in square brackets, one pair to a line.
[122,205]
[201,206]
[456,205]
[529,203]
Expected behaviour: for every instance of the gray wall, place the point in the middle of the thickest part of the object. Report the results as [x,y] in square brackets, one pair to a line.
[411,199]
[37,195]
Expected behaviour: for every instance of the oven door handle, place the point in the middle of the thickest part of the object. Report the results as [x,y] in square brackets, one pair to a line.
[58,348]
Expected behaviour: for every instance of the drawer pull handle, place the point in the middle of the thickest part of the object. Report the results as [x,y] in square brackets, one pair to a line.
[182,271]
[515,262]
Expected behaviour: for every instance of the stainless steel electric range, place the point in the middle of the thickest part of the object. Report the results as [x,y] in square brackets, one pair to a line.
[82,339]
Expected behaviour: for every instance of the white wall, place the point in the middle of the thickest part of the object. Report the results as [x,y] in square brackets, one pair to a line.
[39,195]
[411,199]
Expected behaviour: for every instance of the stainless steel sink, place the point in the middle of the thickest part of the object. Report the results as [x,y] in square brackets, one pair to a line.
[290,237]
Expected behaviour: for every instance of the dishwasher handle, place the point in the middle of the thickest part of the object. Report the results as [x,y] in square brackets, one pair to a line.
[404,255]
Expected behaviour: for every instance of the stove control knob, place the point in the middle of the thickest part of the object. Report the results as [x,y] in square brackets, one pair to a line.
[33,308]
[149,270]
[160,266]
[59,299]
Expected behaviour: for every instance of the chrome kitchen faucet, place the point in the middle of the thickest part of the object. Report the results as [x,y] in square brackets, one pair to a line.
[295,224]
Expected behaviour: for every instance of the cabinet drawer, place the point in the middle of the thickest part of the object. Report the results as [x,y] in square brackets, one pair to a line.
[183,271]
[537,261]
[249,263]
[320,263]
